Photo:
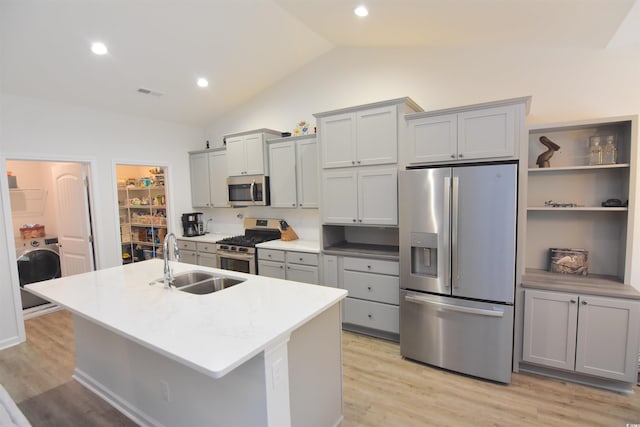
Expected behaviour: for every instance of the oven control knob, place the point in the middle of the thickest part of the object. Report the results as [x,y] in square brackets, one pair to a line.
[243,250]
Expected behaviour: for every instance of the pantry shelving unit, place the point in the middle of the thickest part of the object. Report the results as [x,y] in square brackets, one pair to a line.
[143,221]
[580,189]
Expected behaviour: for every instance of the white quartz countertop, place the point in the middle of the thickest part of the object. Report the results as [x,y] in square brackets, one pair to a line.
[212,333]
[312,246]
[207,238]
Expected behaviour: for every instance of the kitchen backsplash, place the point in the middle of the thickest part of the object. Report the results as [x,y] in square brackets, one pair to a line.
[305,222]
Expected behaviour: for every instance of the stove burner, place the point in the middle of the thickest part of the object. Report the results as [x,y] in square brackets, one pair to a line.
[251,238]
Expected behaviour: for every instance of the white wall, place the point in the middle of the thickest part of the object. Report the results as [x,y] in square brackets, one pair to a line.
[37,129]
[566,84]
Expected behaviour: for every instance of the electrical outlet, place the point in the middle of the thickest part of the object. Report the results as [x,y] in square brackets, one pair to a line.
[164,389]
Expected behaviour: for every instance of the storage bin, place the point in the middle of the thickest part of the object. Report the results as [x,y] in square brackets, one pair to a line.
[32,232]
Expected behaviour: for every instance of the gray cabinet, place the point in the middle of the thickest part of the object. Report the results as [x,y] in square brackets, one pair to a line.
[360,196]
[478,132]
[583,333]
[208,173]
[293,163]
[199,253]
[188,251]
[246,152]
[289,265]
[358,138]
[372,304]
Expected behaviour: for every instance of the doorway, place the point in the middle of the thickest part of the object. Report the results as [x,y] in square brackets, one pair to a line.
[142,209]
[52,224]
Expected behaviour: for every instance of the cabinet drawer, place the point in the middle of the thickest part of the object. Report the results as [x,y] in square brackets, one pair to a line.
[187,244]
[302,258]
[209,248]
[271,269]
[271,254]
[372,265]
[374,315]
[190,257]
[207,259]
[374,287]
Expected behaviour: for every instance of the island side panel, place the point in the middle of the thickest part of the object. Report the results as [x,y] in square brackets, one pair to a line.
[315,371]
[155,390]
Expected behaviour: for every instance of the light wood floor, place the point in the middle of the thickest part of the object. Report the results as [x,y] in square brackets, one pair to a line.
[380,389]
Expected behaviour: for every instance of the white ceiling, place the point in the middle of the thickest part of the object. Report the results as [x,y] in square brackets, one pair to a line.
[244,46]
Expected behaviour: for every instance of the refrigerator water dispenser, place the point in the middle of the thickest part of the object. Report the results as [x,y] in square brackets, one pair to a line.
[424,254]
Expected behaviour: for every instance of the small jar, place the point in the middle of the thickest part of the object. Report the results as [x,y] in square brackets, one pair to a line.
[610,152]
[595,151]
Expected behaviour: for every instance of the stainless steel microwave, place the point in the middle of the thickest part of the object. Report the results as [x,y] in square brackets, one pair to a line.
[250,190]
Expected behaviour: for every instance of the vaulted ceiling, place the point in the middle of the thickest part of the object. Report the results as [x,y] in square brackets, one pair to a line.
[244,46]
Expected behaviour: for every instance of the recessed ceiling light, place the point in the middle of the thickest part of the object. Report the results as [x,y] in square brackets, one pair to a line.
[202,82]
[361,11]
[99,48]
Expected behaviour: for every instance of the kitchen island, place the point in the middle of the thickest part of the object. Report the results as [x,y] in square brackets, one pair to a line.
[265,352]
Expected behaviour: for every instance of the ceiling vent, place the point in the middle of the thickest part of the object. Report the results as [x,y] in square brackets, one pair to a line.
[149,92]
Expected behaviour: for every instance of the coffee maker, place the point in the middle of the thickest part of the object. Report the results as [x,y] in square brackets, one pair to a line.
[192,224]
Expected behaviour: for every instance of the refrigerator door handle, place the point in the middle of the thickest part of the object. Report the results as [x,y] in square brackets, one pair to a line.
[445,232]
[450,307]
[455,255]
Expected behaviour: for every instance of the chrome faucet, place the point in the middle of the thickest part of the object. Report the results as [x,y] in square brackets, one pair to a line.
[168,271]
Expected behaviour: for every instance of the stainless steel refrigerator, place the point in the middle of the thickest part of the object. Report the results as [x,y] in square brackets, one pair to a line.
[457,267]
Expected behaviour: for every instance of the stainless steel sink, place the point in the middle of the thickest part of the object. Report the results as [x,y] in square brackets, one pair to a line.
[210,285]
[191,277]
[201,282]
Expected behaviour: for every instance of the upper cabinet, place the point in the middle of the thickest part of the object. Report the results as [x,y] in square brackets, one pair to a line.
[367,196]
[246,152]
[477,132]
[208,171]
[293,163]
[576,202]
[363,135]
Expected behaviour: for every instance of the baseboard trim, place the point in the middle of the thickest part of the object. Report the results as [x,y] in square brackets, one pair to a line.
[611,385]
[134,414]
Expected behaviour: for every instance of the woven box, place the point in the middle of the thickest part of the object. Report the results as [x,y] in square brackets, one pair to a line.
[568,261]
[32,232]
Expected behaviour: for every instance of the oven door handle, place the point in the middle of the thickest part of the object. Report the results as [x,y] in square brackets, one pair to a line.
[239,257]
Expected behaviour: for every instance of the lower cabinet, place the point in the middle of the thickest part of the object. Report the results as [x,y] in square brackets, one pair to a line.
[586,334]
[374,288]
[200,253]
[206,254]
[289,265]
[188,251]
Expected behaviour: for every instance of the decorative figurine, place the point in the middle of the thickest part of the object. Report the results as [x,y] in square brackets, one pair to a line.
[543,159]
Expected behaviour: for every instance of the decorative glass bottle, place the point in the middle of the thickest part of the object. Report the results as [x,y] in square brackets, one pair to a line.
[610,152]
[595,151]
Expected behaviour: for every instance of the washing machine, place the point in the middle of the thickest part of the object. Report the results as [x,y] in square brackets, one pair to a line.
[38,260]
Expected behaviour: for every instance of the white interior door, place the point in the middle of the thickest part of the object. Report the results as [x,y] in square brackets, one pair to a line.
[74,226]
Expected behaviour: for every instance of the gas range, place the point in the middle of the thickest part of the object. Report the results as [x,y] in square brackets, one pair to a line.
[239,252]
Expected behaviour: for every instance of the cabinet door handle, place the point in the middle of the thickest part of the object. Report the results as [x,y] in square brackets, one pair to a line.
[354,220]
[358,161]
[300,259]
[293,204]
[281,267]
[584,303]
[453,156]
[460,155]
[300,204]
[369,267]
[370,316]
[359,220]
[353,162]
[572,301]
[369,287]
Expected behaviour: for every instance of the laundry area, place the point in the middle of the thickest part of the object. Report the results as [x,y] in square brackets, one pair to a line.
[42,192]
